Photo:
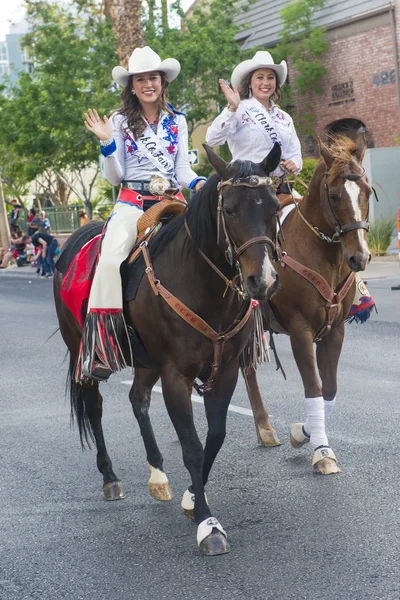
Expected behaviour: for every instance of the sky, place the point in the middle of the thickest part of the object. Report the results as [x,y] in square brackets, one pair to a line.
[12,10]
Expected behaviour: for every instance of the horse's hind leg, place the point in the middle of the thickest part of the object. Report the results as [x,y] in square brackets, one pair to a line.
[313,430]
[211,538]
[266,434]
[87,404]
[139,396]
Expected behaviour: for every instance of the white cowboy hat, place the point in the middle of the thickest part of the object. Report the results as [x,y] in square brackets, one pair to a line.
[145,60]
[261,60]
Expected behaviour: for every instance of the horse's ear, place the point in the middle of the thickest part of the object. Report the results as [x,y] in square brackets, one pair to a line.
[361,146]
[325,154]
[270,162]
[217,162]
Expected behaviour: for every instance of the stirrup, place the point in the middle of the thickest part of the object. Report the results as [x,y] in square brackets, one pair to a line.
[99,372]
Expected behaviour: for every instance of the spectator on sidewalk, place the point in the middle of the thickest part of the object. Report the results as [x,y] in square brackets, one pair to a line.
[14,215]
[45,224]
[83,218]
[18,243]
[33,222]
[49,245]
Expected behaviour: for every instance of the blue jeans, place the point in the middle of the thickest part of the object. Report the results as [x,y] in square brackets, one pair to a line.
[49,260]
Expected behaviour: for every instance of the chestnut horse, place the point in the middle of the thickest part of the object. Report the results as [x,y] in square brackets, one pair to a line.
[323,242]
[234,217]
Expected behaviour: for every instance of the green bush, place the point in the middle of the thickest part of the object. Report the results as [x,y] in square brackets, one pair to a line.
[380,235]
[306,173]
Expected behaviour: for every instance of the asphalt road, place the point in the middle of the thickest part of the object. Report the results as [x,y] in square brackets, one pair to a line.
[294,535]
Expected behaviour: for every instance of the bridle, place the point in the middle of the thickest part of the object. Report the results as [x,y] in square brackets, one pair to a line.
[233,252]
[339,228]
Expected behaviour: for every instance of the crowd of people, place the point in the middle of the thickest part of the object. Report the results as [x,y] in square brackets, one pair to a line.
[36,246]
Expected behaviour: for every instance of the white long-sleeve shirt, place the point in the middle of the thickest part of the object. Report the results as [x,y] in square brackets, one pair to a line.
[129,163]
[247,141]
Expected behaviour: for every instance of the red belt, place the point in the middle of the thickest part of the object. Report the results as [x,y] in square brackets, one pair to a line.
[136,199]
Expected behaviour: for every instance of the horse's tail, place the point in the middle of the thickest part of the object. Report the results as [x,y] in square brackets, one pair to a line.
[78,406]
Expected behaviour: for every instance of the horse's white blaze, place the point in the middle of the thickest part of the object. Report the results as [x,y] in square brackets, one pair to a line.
[353,191]
[157,476]
[268,269]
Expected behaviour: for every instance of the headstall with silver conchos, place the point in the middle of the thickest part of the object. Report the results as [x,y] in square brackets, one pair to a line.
[232,253]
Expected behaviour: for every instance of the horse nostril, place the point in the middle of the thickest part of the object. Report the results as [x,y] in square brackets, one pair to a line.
[369,258]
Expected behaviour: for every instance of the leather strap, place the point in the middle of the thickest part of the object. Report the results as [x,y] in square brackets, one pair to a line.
[333,299]
[261,239]
[218,339]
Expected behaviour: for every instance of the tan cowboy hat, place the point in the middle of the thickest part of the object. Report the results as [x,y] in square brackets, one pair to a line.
[145,60]
[261,60]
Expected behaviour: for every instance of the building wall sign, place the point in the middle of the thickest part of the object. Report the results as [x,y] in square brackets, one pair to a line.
[384,77]
[342,93]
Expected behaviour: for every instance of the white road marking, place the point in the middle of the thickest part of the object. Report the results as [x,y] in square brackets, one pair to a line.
[232,407]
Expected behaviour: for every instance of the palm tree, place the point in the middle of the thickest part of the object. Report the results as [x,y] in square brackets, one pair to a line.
[126,17]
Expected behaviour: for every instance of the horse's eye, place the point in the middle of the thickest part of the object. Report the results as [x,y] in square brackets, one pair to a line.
[334,197]
[229,211]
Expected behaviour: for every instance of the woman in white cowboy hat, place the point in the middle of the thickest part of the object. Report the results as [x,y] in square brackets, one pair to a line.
[252,121]
[145,146]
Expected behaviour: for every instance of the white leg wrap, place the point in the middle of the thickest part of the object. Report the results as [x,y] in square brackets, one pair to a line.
[157,476]
[329,405]
[315,423]
[188,500]
[206,527]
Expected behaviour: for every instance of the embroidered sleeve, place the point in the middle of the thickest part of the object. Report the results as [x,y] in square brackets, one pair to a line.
[293,150]
[114,164]
[183,171]
[221,128]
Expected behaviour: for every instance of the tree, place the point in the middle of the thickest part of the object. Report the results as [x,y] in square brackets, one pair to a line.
[206,47]
[304,44]
[126,18]
[41,117]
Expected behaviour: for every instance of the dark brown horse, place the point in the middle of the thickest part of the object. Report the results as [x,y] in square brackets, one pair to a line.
[234,217]
[323,242]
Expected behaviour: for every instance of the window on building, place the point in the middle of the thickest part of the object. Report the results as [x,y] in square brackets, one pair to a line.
[4,68]
[3,52]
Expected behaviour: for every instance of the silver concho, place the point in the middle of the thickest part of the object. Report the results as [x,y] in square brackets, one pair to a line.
[158,185]
[253,180]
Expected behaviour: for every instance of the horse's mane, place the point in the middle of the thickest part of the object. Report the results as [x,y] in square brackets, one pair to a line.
[342,150]
[200,217]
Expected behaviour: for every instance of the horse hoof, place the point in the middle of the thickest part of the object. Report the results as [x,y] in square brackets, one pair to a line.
[160,491]
[214,544]
[268,437]
[297,436]
[114,491]
[189,514]
[324,461]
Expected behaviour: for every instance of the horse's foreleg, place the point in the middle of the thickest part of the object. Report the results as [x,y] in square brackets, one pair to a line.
[93,409]
[266,434]
[140,395]
[211,538]
[328,354]
[313,430]
[216,404]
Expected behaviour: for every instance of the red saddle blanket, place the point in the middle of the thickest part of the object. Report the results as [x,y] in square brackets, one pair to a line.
[77,282]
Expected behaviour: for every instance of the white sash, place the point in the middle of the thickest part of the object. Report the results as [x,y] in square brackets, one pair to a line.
[158,155]
[260,118]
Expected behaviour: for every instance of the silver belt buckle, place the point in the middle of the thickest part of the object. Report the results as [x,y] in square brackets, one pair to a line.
[158,185]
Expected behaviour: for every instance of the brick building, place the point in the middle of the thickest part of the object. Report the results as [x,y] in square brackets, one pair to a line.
[361,86]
